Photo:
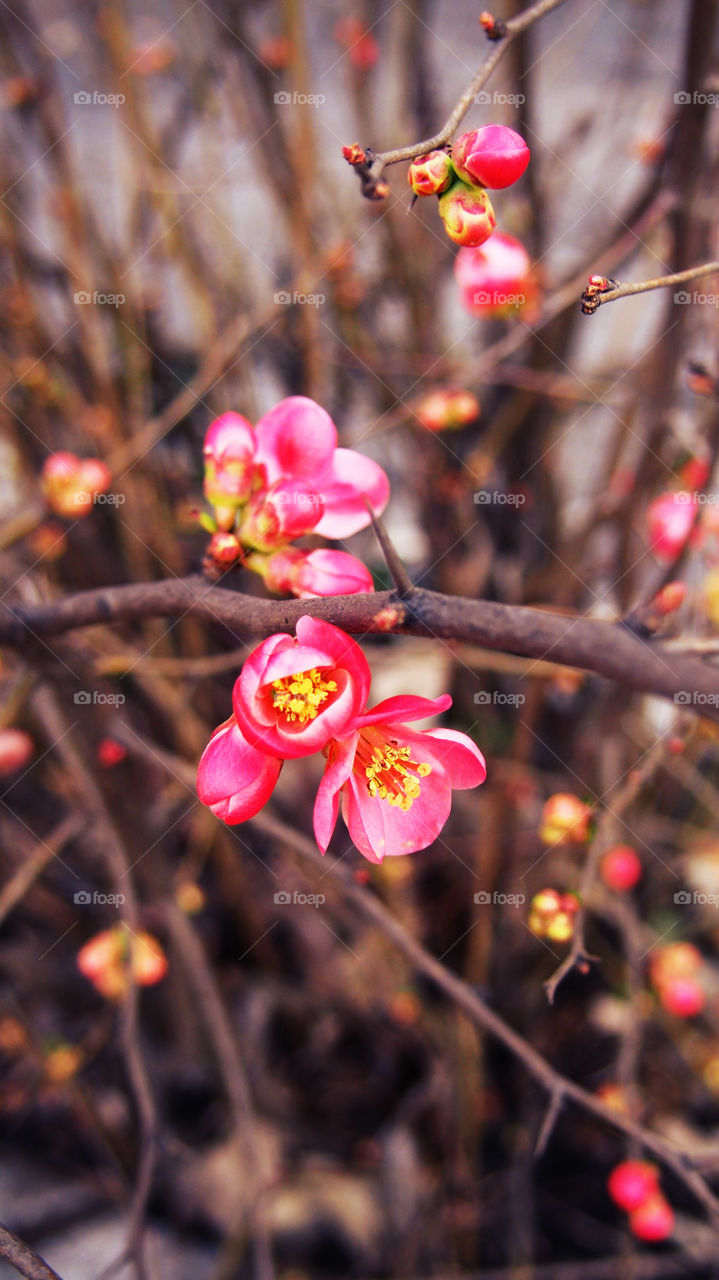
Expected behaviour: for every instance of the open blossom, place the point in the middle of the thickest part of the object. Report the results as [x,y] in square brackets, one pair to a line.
[395,783]
[321,572]
[495,276]
[69,484]
[234,779]
[295,693]
[298,440]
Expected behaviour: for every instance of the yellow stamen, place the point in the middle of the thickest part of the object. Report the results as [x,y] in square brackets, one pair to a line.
[299,697]
[391,773]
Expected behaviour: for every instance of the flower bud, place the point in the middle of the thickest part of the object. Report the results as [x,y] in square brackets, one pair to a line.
[110,752]
[430,175]
[467,214]
[670,598]
[565,820]
[275,516]
[229,453]
[16,750]
[671,521]
[495,278]
[316,573]
[493,156]
[223,550]
[552,915]
[620,868]
[632,1183]
[445,409]
[653,1220]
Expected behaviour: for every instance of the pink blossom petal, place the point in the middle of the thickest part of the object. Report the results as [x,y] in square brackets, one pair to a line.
[385,830]
[337,771]
[296,438]
[458,755]
[234,779]
[404,707]
[350,479]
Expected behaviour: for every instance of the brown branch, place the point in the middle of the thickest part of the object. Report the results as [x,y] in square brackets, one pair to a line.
[370,165]
[594,297]
[558,1086]
[606,649]
[27,1263]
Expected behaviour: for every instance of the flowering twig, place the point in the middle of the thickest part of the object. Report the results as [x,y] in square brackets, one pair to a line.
[370,165]
[596,293]
[605,648]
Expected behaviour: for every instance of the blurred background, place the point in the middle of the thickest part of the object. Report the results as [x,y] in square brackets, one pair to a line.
[180,236]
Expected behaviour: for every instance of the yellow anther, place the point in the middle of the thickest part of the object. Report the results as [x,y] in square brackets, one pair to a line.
[300,696]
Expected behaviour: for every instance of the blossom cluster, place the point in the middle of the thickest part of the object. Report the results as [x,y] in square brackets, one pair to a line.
[297,695]
[271,484]
[492,157]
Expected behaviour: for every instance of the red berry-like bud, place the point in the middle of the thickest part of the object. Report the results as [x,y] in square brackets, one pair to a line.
[493,156]
[620,868]
[682,996]
[670,598]
[16,750]
[223,549]
[430,175]
[110,752]
[632,1183]
[467,214]
[445,409]
[653,1220]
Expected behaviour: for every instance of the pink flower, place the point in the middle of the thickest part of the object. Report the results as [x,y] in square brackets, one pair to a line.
[229,453]
[294,694]
[275,516]
[670,518]
[234,779]
[494,277]
[70,484]
[316,573]
[494,156]
[297,440]
[396,783]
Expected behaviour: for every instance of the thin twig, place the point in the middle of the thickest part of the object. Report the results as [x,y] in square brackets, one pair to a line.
[29,1264]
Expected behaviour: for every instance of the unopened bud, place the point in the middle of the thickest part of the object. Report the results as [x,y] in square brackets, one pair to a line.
[493,156]
[431,174]
[467,214]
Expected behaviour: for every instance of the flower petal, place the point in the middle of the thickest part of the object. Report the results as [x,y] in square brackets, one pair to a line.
[337,770]
[459,755]
[296,438]
[234,779]
[383,830]
[405,706]
[350,479]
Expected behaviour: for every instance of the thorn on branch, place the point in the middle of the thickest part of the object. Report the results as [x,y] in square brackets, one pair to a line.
[493,28]
[400,577]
